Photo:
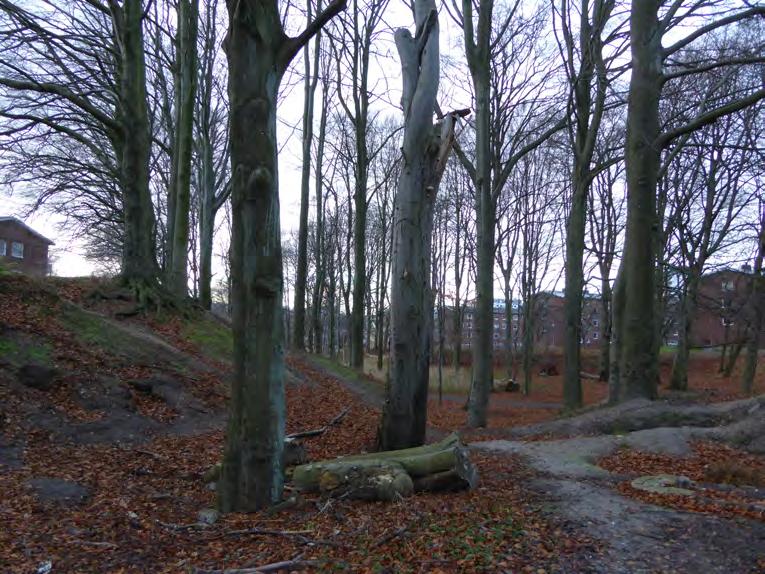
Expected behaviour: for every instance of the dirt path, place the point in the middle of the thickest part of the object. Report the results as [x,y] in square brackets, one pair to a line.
[637,537]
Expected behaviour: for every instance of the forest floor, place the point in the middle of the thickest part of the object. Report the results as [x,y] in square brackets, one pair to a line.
[103,449]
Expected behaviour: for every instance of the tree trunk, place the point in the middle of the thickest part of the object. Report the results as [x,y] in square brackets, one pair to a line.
[424,158]
[617,312]
[638,362]
[310,83]
[757,315]
[572,306]
[188,15]
[258,53]
[139,262]
[605,330]
[679,379]
[386,475]
[482,348]
[206,224]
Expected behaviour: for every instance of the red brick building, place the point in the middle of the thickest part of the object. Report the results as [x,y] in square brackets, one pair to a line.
[723,309]
[22,248]
[549,325]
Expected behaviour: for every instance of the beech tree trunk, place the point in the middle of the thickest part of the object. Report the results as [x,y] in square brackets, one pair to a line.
[478,56]
[139,261]
[637,368]
[424,159]
[310,82]
[757,292]
[320,258]
[259,53]
[588,114]
[186,61]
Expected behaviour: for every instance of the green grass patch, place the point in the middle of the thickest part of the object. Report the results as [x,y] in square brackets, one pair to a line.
[91,329]
[214,339]
[20,349]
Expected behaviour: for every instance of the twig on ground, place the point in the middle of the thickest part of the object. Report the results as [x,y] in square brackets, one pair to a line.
[297,534]
[322,430]
[388,537]
[287,565]
[98,544]
[172,526]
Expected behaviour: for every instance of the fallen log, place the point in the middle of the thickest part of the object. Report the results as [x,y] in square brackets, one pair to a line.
[443,466]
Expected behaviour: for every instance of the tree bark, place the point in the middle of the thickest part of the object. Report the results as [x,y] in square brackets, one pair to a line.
[139,262]
[258,53]
[424,159]
[638,367]
[188,15]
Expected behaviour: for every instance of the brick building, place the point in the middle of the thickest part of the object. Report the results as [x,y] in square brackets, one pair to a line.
[549,324]
[22,248]
[723,309]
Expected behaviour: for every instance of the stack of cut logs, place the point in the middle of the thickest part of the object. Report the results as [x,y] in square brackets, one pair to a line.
[442,466]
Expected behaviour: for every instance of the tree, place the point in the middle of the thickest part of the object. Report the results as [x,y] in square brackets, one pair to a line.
[605,214]
[352,48]
[756,292]
[512,118]
[259,52]
[310,83]
[634,364]
[424,151]
[213,183]
[185,100]
[107,116]
[585,64]
[711,196]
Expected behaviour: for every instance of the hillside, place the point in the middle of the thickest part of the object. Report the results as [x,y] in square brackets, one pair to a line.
[109,422]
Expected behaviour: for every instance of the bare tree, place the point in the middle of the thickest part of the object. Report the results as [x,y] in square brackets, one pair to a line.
[509,73]
[310,83]
[86,68]
[352,48]
[634,365]
[213,184]
[259,52]
[425,150]
[585,65]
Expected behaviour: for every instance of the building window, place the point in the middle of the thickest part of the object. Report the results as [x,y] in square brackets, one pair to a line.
[3,248]
[595,336]
[17,250]
[727,322]
[594,322]
[727,285]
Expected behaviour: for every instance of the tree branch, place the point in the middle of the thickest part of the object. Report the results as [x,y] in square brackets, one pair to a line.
[293,45]
[55,89]
[710,117]
[757,11]
[712,66]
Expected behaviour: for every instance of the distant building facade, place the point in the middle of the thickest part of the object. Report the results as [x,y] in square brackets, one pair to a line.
[548,323]
[723,309]
[22,248]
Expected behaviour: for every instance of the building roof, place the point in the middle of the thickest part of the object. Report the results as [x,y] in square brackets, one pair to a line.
[17,221]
